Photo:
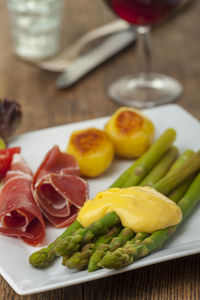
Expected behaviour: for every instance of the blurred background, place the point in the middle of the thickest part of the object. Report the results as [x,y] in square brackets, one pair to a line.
[176,48]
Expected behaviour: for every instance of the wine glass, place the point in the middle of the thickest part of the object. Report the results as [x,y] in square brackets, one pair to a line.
[146,89]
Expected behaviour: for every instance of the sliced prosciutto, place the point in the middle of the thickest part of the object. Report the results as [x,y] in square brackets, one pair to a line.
[60,197]
[57,162]
[58,189]
[19,213]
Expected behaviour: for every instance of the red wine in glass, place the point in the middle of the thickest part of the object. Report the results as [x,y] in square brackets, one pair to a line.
[147,88]
[142,12]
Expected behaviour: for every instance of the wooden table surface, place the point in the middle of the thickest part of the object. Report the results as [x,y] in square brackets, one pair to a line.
[177,53]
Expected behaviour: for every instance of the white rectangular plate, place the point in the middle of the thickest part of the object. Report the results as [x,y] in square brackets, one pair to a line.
[14,266]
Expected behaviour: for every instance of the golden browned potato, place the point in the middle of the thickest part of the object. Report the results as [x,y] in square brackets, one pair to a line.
[93,149]
[131,132]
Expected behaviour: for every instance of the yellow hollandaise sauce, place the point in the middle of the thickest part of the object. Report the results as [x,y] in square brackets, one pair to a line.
[140,208]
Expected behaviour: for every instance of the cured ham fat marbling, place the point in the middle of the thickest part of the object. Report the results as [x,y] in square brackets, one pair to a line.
[58,189]
[19,213]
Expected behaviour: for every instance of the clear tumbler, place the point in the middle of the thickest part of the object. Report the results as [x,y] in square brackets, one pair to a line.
[35,27]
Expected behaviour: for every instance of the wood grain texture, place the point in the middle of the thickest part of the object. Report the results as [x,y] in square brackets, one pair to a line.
[177,53]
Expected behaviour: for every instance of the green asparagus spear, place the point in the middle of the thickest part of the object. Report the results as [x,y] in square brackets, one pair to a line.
[180,190]
[180,161]
[161,167]
[73,243]
[142,166]
[140,236]
[125,235]
[105,239]
[115,263]
[43,257]
[177,176]
[129,253]
[79,260]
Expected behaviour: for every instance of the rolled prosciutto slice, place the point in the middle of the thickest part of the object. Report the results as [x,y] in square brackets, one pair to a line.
[20,215]
[57,162]
[58,189]
[60,197]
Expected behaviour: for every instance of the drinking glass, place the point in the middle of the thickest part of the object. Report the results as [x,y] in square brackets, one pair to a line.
[35,27]
[146,89]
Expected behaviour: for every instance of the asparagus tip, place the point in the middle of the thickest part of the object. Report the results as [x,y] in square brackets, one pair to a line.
[115,260]
[39,258]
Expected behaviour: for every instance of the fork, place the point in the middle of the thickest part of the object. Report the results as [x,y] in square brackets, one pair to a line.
[67,56]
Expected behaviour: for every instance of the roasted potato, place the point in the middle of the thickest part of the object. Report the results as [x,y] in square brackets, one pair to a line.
[131,132]
[93,149]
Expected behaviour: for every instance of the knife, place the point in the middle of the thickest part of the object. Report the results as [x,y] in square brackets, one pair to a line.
[99,54]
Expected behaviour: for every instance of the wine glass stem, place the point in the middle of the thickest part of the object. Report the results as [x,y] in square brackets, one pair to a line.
[145,49]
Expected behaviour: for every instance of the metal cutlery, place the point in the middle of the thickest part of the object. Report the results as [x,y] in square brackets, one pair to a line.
[99,54]
[85,43]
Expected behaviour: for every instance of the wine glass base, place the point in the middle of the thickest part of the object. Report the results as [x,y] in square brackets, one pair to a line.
[145,90]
